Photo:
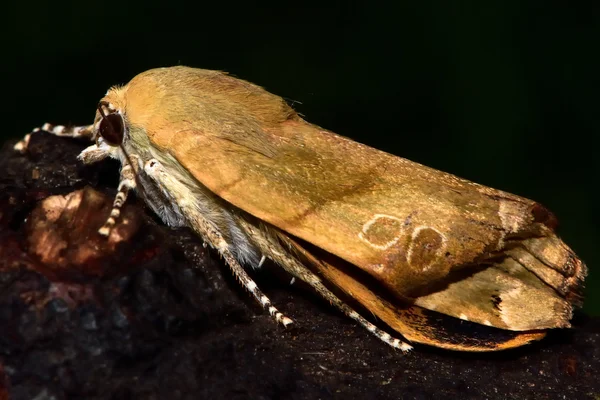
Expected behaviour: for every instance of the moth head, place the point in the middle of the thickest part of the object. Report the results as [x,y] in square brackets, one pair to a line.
[111,126]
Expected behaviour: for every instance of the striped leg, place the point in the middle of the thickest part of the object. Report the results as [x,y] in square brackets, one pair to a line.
[385,337]
[247,282]
[126,183]
[58,130]
[209,231]
[296,268]
[272,246]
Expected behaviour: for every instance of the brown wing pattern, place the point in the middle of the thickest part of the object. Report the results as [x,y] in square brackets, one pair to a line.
[421,326]
[407,225]
[402,222]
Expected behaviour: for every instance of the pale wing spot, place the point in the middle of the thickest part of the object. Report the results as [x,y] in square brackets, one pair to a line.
[426,247]
[488,323]
[382,231]
[264,300]
[463,317]
[511,215]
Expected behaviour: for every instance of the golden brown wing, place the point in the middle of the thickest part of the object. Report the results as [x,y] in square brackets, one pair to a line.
[402,222]
[409,226]
[421,326]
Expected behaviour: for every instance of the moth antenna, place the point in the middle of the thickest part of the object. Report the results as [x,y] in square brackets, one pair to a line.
[84,131]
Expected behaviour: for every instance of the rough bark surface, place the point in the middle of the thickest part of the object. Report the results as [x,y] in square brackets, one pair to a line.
[152,314]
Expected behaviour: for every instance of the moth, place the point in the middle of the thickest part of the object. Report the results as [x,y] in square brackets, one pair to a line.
[422,250]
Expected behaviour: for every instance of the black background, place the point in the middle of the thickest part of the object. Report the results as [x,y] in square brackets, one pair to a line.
[501,93]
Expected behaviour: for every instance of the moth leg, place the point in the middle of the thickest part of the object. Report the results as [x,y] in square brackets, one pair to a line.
[271,246]
[211,234]
[86,131]
[248,283]
[126,184]
[303,273]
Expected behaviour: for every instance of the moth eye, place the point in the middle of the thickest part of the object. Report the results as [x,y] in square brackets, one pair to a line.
[112,129]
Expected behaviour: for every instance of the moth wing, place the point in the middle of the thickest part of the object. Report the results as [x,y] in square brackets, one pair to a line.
[407,225]
[415,323]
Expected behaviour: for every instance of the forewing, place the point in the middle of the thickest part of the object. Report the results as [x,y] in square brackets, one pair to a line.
[409,226]
[416,323]
[406,224]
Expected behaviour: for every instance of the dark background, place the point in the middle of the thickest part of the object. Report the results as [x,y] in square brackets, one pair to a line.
[501,93]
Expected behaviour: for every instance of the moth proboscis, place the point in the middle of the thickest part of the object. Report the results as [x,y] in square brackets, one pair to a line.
[402,241]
